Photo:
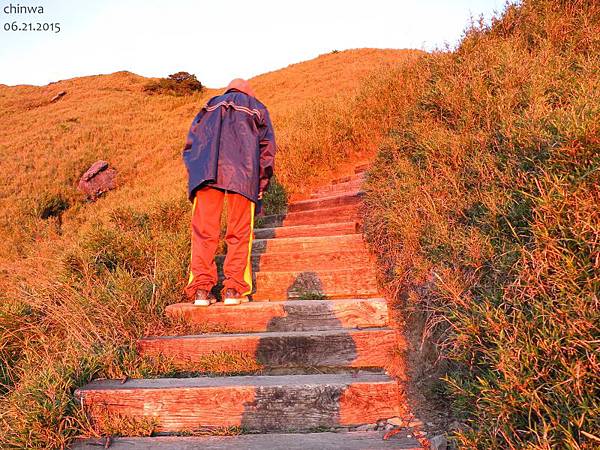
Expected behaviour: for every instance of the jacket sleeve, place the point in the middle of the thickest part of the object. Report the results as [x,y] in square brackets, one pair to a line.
[267,151]
[192,130]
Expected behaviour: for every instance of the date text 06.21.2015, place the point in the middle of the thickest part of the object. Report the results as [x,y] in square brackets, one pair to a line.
[32,26]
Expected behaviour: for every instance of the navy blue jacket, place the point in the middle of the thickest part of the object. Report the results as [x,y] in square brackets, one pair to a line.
[231,145]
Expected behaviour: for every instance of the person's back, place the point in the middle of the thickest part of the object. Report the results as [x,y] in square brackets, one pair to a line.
[231,144]
[230,151]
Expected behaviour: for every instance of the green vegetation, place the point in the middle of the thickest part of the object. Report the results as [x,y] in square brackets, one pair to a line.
[50,205]
[180,83]
[482,206]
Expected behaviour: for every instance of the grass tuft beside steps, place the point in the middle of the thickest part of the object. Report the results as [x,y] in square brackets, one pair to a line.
[482,206]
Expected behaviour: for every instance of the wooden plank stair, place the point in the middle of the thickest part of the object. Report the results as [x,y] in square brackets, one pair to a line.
[317,307]
[306,260]
[257,403]
[343,199]
[353,440]
[346,185]
[294,315]
[372,347]
[326,229]
[329,283]
[309,243]
[344,213]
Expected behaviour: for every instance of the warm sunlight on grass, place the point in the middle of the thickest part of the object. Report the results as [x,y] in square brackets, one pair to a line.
[79,281]
[483,206]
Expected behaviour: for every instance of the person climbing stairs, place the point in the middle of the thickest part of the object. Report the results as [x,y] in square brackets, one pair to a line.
[317,325]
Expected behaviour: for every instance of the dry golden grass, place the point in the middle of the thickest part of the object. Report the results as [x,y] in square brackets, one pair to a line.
[324,77]
[482,205]
[483,208]
[45,147]
[77,289]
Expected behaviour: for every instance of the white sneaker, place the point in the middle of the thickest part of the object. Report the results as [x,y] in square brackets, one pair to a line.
[232,301]
[204,298]
[232,298]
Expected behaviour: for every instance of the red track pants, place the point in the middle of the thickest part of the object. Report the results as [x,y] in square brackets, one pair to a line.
[206,218]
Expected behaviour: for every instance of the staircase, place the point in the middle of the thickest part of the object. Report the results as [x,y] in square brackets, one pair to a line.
[318,327]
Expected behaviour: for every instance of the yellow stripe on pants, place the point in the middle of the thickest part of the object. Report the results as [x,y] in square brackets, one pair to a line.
[191,277]
[248,270]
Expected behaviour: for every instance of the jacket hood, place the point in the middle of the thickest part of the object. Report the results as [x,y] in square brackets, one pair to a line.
[241,85]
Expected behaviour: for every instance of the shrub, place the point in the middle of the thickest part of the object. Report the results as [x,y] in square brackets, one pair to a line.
[275,198]
[180,83]
[50,205]
[79,318]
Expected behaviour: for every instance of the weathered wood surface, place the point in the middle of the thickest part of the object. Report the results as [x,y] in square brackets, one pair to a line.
[361,168]
[326,229]
[309,243]
[316,251]
[257,403]
[334,200]
[353,440]
[332,348]
[293,315]
[347,178]
[330,283]
[349,187]
[313,217]
[306,260]
[327,194]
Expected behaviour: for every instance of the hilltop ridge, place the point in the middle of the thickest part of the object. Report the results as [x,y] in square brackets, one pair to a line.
[110,117]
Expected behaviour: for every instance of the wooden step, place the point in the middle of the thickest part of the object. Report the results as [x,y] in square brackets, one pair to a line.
[337,214]
[294,315]
[361,168]
[348,178]
[327,229]
[306,260]
[332,348]
[257,403]
[326,202]
[347,187]
[328,283]
[350,440]
[309,243]
[326,194]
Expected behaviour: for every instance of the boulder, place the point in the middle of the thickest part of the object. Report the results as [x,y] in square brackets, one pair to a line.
[58,96]
[99,178]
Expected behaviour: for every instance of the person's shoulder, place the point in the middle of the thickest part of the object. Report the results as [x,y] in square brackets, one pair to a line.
[239,98]
[250,101]
[263,112]
[258,104]
[216,99]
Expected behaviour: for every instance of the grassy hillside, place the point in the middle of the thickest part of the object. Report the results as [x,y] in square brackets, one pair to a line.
[324,77]
[45,147]
[483,206]
[77,288]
